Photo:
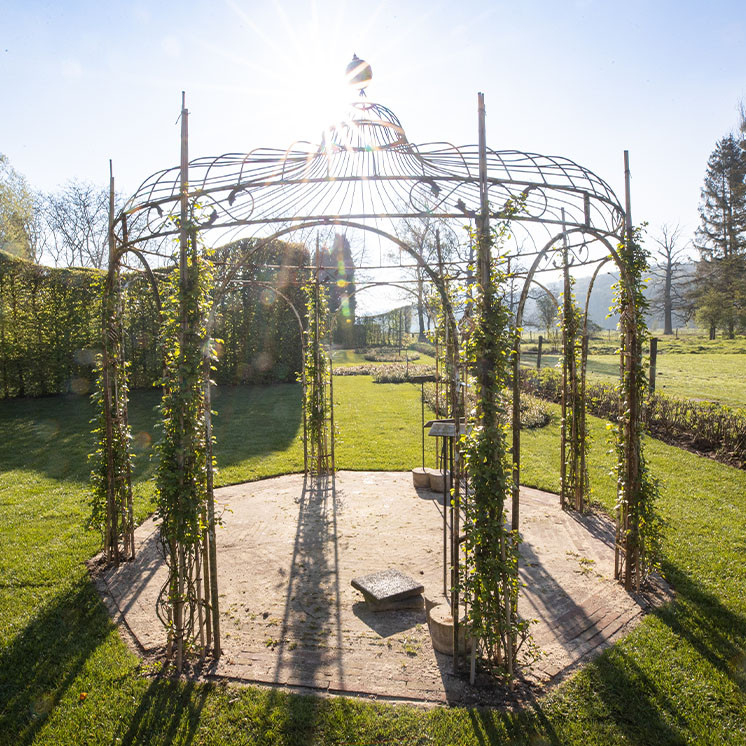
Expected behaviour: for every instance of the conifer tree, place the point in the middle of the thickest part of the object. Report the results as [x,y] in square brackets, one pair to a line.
[719,291]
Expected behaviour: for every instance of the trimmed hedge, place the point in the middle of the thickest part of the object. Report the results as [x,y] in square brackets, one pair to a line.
[50,326]
[386,372]
[50,321]
[703,426]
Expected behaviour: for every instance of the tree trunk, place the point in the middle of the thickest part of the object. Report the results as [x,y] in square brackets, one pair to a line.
[667,303]
[420,311]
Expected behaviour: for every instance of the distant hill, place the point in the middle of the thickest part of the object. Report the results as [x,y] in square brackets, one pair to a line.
[603,297]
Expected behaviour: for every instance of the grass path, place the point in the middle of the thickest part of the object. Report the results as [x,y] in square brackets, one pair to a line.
[680,677]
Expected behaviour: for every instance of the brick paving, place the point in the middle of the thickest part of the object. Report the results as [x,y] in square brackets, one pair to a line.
[289,616]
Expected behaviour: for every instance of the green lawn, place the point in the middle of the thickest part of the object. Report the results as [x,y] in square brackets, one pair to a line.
[680,677]
[718,376]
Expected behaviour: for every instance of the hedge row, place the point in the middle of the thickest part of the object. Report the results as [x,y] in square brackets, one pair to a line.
[386,372]
[50,326]
[703,426]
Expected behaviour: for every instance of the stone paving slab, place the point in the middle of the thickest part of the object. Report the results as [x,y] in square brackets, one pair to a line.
[288,550]
[387,585]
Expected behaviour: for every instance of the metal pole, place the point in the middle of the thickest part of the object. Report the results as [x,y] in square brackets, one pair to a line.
[422,407]
[566,311]
[183,329]
[445,521]
[538,353]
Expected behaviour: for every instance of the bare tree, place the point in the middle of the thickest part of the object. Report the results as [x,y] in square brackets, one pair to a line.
[433,240]
[77,224]
[546,310]
[668,270]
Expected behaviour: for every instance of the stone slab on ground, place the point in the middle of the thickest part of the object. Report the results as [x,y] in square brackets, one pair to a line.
[399,604]
[288,549]
[387,585]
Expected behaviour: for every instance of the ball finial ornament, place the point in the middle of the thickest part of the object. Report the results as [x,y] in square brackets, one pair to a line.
[359,73]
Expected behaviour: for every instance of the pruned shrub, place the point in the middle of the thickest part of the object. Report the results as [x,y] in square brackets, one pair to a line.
[702,426]
[390,356]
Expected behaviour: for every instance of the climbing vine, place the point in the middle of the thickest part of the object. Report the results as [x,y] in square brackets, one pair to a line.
[111,474]
[490,580]
[638,525]
[184,468]
[317,397]
[574,485]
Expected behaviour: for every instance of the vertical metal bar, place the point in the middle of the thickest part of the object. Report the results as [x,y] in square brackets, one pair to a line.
[445,522]
[653,363]
[627,198]
[583,423]
[422,428]
[455,609]
[515,489]
[331,411]
[566,311]
[183,327]
[538,353]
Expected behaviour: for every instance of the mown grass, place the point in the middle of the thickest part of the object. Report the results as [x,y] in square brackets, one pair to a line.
[680,677]
[717,377]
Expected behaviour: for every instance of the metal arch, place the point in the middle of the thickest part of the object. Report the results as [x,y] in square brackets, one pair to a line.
[115,263]
[360,287]
[590,290]
[367,169]
[434,276]
[517,354]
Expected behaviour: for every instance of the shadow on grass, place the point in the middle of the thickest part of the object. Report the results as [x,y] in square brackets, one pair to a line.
[170,708]
[291,719]
[52,435]
[632,688]
[40,664]
[717,633]
[497,727]
[256,420]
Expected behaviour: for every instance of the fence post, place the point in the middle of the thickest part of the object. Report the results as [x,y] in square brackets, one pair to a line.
[653,362]
[538,353]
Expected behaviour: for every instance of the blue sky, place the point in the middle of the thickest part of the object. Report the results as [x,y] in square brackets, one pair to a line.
[83,82]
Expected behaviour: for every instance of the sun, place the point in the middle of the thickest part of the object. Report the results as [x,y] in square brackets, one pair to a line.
[318,90]
[298,62]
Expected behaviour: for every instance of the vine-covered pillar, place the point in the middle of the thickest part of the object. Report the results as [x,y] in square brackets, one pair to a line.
[638,527]
[490,580]
[188,602]
[573,475]
[112,507]
[317,400]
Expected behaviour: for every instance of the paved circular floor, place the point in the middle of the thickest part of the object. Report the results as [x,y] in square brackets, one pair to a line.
[288,550]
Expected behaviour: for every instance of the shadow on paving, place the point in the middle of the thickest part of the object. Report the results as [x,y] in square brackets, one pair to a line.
[42,661]
[598,526]
[312,613]
[557,608]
